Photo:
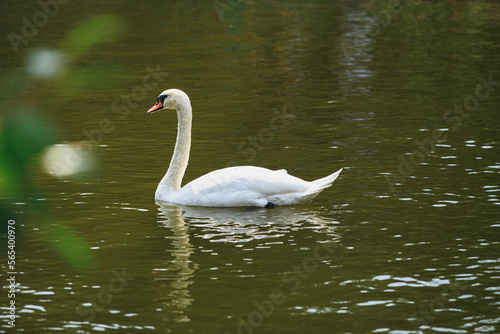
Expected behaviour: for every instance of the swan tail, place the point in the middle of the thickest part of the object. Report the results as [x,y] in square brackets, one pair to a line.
[323,183]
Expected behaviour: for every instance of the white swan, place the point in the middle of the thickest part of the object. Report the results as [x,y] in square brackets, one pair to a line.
[227,187]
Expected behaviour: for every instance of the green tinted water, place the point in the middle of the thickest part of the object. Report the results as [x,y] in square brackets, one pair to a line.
[406,240]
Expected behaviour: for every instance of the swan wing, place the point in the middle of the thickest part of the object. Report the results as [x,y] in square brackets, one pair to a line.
[243,186]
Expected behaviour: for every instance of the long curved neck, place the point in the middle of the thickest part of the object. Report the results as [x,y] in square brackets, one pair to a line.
[171,182]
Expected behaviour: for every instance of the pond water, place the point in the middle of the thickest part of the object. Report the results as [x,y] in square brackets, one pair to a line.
[404,95]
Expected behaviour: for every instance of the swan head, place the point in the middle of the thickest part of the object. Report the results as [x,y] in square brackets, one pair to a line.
[170,99]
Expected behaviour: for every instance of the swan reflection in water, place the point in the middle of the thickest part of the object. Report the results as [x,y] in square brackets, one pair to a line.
[227,225]
[180,271]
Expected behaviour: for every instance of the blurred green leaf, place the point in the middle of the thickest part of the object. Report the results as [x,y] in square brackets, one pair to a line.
[69,245]
[10,178]
[27,133]
[92,31]
[24,133]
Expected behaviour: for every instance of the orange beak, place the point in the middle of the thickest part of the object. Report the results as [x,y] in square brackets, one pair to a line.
[156,107]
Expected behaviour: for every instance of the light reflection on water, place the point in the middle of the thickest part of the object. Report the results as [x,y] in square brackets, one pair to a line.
[180,272]
[237,225]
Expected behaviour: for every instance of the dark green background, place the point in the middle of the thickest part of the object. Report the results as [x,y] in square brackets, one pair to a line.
[413,248]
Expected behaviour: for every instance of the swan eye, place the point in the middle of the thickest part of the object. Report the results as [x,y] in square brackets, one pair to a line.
[162,98]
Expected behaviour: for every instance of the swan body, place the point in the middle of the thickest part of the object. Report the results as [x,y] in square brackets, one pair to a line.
[227,187]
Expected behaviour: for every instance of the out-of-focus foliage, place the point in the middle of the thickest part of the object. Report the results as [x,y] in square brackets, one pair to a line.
[26,131]
[95,30]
